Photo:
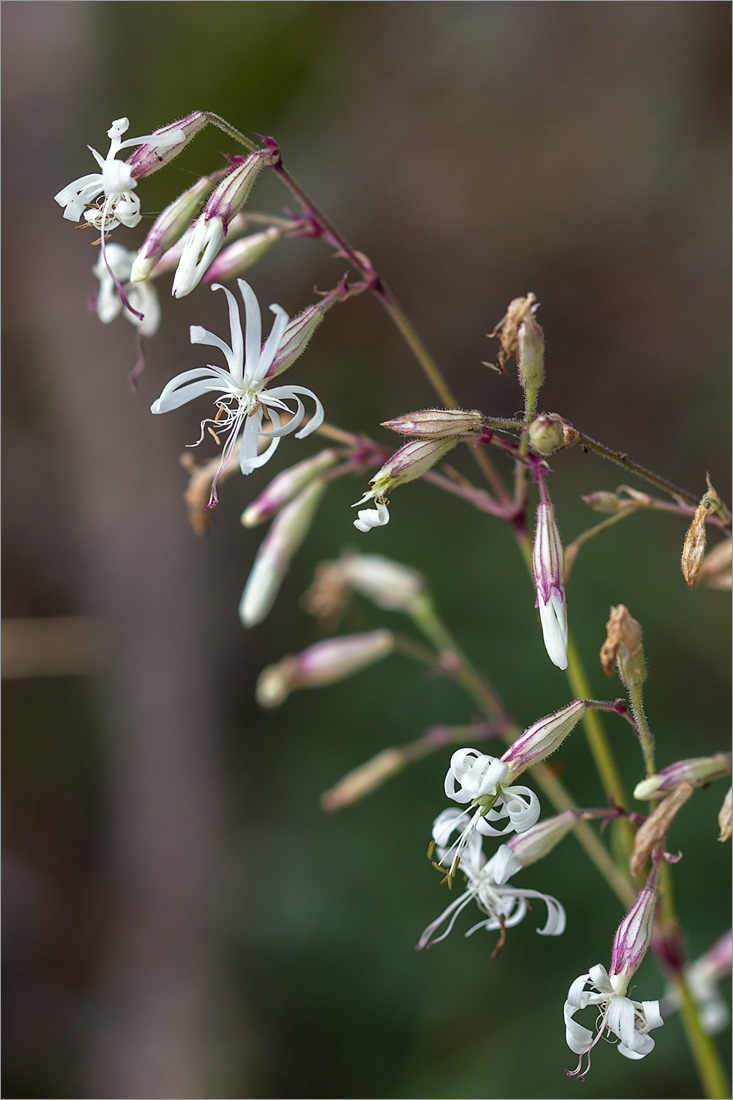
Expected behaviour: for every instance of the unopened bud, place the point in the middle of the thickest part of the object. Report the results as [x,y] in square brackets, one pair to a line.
[650,836]
[608,503]
[693,550]
[175,136]
[363,780]
[299,331]
[170,226]
[242,254]
[531,357]
[697,772]
[634,934]
[623,647]
[209,231]
[324,663]
[549,433]
[409,463]
[388,584]
[436,423]
[548,569]
[725,817]
[285,486]
[542,739]
[288,530]
[539,841]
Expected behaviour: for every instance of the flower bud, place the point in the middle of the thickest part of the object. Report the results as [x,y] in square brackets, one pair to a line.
[363,780]
[539,841]
[175,136]
[531,357]
[288,530]
[542,739]
[436,423]
[608,503]
[409,463]
[324,663]
[170,226]
[548,568]
[242,254]
[285,486]
[697,772]
[389,585]
[623,647]
[210,229]
[634,934]
[549,433]
[299,331]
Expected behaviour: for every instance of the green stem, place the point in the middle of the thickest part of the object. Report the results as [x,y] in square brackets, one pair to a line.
[647,741]
[704,1052]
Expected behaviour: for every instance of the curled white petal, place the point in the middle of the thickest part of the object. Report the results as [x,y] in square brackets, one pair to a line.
[554,622]
[372,517]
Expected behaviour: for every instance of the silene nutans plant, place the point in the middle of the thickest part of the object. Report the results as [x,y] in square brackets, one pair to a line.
[506,807]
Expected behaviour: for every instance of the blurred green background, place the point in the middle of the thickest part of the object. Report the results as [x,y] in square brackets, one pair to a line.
[181,919]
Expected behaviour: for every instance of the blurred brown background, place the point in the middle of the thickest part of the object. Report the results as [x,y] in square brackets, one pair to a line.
[180,918]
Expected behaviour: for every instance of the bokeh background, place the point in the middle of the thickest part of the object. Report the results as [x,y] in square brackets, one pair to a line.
[181,919]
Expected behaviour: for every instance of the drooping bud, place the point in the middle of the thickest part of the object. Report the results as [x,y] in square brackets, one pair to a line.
[288,530]
[634,934]
[549,433]
[623,647]
[539,841]
[170,226]
[697,772]
[436,423]
[542,739]
[287,484]
[548,568]
[725,817]
[150,157]
[210,229]
[324,663]
[693,550]
[409,463]
[242,254]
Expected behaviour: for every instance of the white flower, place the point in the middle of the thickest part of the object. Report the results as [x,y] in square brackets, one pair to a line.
[629,1021]
[116,182]
[142,296]
[242,396]
[503,905]
[549,576]
[371,517]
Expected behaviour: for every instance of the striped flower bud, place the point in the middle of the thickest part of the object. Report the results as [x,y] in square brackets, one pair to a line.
[299,331]
[436,423]
[242,254]
[285,486]
[697,772]
[407,464]
[170,226]
[542,739]
[634,934]
[539,841]
[273,559]
[210,229]
[548,567]
[386,583]
[324,663]
[151,156]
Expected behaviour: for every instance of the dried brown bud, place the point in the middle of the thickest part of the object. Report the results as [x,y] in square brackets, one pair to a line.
[693,550]
[725,817]
[715,569]
[652,834]
[508,328]
[623,647]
